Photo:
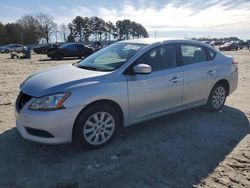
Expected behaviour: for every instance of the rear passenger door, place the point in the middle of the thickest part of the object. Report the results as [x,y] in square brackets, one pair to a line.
[198,72]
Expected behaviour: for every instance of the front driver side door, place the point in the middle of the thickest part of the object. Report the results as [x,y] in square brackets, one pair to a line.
[155,93]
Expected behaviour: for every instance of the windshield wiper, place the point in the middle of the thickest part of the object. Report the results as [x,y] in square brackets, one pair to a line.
[87,67]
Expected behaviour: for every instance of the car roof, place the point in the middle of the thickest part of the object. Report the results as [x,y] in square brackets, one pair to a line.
[149,41]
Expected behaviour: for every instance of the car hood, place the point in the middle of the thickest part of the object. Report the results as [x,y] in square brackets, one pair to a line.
[59,79]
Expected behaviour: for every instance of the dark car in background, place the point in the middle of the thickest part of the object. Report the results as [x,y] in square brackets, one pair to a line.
[207,42]
[70,50]
[243,44]
[44,48]
[228,46]
[214,43]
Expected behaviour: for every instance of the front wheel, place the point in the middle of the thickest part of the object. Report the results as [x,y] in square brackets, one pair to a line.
[217,97]
[59,57]
[96,126]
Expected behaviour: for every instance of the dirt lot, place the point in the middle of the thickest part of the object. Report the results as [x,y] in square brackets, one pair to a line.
[190,148]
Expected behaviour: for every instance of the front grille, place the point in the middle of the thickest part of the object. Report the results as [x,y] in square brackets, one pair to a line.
[38,132]
[22,99]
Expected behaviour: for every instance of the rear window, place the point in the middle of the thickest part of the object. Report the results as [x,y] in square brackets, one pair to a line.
[70,47]
[192,54]
[211,54]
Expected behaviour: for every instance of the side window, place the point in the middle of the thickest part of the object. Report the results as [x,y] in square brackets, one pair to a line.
[71,47]
[211,53]
[80,47]
[192,54]
[160,58]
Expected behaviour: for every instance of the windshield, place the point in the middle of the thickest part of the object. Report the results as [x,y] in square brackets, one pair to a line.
[111,57]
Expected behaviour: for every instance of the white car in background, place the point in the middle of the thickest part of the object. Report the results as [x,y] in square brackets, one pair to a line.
[12,48]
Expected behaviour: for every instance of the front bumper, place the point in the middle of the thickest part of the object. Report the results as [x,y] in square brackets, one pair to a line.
[59,124]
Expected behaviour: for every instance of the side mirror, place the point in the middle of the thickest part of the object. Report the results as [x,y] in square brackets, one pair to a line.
[142,69]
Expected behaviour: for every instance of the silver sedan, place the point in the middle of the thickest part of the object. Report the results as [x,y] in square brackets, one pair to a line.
[121,85]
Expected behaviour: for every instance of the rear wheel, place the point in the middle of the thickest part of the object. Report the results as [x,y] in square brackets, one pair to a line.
[96,126]
[217,97]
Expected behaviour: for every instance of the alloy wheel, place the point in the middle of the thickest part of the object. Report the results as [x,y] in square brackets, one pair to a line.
[218,97]
[99,128]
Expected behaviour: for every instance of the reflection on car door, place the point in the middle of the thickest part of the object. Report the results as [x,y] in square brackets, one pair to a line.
[198,74]
[80,50]
[159,91]
[71,50]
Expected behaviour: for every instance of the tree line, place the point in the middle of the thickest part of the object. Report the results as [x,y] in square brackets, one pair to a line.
[84,28]
[30,29]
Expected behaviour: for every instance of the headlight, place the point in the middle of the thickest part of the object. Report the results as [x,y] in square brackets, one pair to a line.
[50,102]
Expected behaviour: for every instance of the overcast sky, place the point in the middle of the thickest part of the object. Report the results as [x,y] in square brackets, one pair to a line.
[179,18]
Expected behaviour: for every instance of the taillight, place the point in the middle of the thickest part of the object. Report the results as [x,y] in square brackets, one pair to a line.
[235,63]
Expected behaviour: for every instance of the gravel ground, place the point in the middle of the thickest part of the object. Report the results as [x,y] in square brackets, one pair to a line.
[192,148]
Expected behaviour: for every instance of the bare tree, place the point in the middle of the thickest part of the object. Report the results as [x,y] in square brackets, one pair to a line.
[29,26]
[64,31]
[46,26]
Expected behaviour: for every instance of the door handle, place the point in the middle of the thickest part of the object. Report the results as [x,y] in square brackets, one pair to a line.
[175,79]
[211,72]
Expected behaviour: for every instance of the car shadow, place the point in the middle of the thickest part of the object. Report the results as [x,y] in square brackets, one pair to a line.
[177,150]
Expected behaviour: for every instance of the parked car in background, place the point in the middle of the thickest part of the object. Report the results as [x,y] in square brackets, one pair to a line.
[207,42]
[123,84]
[243,44]
[97,46]
[228,46]
[70,50]
[13,48]
[44,48]
[215,43]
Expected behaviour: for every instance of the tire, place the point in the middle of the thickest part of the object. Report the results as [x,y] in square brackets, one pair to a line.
[217,97]
[58,57]
[96,126]
[6,51]
[42,52]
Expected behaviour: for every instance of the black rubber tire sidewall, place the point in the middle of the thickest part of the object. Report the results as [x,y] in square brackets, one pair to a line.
[83,117]
[210,106]
[59,56]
